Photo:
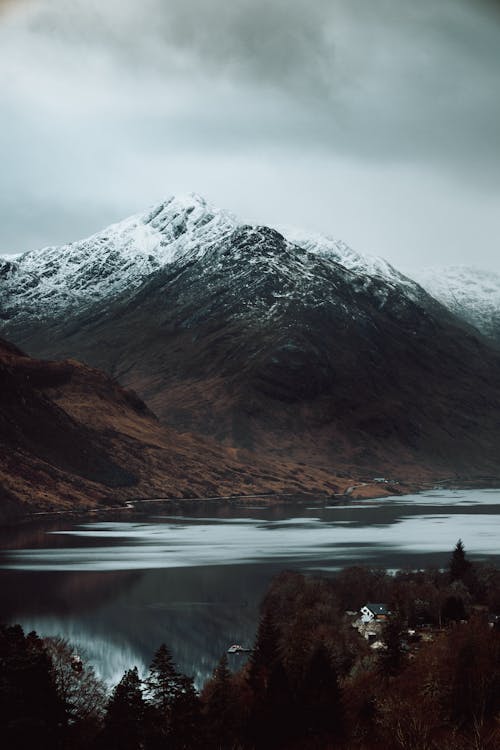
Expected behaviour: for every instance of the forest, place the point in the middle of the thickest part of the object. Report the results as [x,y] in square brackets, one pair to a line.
[424,676]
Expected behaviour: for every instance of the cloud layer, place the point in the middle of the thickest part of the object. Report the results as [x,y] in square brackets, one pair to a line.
[374,121]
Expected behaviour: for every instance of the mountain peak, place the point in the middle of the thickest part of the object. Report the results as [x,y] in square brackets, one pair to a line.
[121,256]
[184,206]
[182,228]
[188,216]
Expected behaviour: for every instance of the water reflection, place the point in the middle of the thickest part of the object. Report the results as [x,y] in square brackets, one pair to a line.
[119,620]
[118,589]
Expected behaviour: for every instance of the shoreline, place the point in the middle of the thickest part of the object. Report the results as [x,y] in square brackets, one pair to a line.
[363,490]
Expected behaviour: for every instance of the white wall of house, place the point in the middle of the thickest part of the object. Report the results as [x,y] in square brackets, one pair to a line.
[366,614]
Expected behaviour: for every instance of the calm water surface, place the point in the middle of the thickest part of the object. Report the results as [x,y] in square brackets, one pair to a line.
[117,589]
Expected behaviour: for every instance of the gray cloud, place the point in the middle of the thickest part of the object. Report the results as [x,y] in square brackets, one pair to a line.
[371,119]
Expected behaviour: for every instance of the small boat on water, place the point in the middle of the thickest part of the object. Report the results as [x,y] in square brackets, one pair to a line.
[237,649]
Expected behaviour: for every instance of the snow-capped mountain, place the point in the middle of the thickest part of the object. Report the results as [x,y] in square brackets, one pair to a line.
[289,345]
[51,280]
[183,229]
[360,264]
[471,293]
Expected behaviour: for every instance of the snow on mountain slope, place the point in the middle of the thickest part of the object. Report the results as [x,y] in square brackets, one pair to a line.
[471,293]
[57,281]
[340,252]
[53,279]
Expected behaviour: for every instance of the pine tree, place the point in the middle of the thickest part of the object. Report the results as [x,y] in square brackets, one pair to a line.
[221,707]
[176,710]
[459,565]
[265,673]
[185,731]
[125,720]
[164,681]
[264,654]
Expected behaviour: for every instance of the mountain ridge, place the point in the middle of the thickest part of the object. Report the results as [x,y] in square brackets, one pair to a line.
[125,254]
[239,334]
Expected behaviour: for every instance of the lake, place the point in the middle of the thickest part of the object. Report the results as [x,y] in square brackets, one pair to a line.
[117,589]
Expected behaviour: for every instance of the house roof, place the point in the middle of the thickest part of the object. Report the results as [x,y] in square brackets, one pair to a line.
[377,608]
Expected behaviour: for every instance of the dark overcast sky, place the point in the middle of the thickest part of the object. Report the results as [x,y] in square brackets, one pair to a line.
[374,121]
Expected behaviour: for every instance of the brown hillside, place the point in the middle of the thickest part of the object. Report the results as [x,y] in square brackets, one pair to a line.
[71,437]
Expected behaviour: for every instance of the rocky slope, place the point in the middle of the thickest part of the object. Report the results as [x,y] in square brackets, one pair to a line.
[297,350]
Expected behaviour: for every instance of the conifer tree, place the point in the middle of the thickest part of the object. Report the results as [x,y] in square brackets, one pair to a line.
[221,707]
[176,710]
[124,723]
[185,730]
[164,681]
[459,565]
[264,654]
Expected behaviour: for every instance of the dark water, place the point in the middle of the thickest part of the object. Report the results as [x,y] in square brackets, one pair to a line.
[119,589]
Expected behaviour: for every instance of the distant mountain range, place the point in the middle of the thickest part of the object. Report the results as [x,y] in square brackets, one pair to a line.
[277,346]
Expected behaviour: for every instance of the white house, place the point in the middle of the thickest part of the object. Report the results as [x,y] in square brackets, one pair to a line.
[374,611]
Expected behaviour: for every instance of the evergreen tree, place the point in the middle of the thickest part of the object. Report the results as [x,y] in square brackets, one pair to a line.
[185,730]
[176,710]
[264,654]
[320,697]
[164,681]
[459,565]
[221,708]
[269,685]
[31,711]
[125,720]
